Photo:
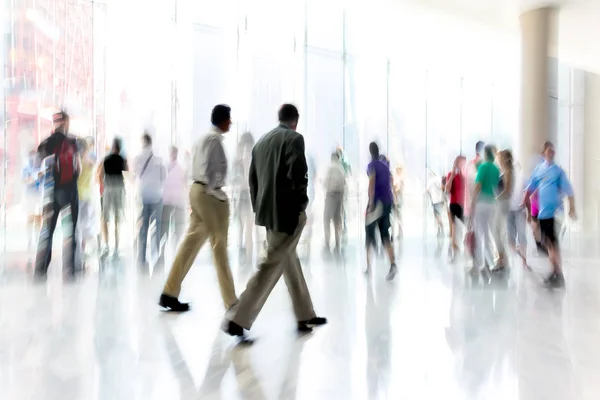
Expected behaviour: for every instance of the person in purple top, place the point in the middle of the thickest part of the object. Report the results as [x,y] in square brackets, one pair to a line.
[379,208]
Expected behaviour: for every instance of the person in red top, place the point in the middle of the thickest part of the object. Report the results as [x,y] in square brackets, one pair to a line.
[455,187]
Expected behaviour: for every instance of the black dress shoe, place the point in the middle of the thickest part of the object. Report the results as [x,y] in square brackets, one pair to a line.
[316,321]
[233,329]
[172,303]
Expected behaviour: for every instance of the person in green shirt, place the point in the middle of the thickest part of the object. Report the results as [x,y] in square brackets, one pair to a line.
[484,206]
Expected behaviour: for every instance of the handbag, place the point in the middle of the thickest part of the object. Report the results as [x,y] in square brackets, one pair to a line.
[470,242]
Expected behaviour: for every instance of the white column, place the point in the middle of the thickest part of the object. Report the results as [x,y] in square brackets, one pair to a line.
[535,39]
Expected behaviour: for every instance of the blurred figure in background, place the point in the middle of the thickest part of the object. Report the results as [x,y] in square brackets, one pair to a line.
[398,199]
[87,226]
[516,224]
[551,183]
[470,173]
[111,177]
[505,192]
[484,208]
[243,207]
[379,208]
[174,204]
[455,187]
[210,215]
[436,195]
[348,170]
[335,188]
[66,166]
[151,174]
[32,175]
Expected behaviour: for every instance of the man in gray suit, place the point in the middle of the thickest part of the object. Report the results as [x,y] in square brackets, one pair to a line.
[278,192]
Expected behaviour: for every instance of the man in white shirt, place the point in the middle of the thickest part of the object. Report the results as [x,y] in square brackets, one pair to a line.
[150,173]
[210,214]
[335,187]
[174,203]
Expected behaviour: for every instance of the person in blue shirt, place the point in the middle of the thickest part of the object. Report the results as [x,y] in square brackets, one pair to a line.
[550,182]
[33,197]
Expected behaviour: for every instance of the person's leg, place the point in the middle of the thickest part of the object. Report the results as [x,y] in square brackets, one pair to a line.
[327,220]
[296,284]
[520,222]
[370,243]
[481,234]
[178,221]
[71,262]
[191,245]
[244,312]
[144,222]
[165,227]
[156,216]
[550,240]
[215,214]
[337,221]
[384,231]
[44,252]
[500,229]
[451,217]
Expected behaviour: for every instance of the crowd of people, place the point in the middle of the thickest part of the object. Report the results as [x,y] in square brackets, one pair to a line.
[489,202]
[494,200]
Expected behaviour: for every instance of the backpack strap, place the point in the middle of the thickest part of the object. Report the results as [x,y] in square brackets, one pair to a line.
[146,165]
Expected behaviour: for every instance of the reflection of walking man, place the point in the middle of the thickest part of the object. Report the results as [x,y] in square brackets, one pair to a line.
[278,191]
[210,214]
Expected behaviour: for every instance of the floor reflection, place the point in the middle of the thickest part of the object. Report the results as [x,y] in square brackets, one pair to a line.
[436,331]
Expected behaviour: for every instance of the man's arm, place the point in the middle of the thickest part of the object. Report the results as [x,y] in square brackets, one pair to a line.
[567,189]
[253,182]
[298,171]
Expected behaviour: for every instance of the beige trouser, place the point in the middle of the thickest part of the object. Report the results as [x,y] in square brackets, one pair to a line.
[281,259]
[209,219]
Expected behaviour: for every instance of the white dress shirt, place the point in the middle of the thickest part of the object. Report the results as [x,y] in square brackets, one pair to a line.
[152,179]
[209,163]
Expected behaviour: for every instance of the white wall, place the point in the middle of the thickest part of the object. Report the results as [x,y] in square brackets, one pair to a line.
[591,189]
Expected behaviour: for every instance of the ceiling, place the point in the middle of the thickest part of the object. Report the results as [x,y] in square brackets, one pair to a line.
[577,22]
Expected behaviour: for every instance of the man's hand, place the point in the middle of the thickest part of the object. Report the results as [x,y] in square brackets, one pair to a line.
[572,214]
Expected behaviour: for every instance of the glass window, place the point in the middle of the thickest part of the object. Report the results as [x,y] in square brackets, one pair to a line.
[476,113]
[366,109]
[407,140]
[214,80]
[266,71]
[325,24]
[324,121]
[443,121]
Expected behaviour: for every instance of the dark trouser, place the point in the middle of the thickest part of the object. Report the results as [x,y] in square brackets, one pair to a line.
[281,259]
[149,212]
[174,217]
[63,198]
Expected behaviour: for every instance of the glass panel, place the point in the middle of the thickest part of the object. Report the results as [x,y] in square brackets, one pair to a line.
[476,114]
[325,24]
[322,126]
[443,132]
[267,72]
[407,140]
[214,80]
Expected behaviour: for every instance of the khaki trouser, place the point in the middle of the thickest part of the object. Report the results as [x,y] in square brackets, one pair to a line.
[209,219]
[281,259]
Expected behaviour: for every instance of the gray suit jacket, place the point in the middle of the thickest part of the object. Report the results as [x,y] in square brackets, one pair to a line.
[278,180]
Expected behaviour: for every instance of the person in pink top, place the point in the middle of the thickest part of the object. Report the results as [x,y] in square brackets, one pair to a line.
[470,171]
[174,204]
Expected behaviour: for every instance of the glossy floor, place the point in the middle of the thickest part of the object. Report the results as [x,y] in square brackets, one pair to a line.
[435,332]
